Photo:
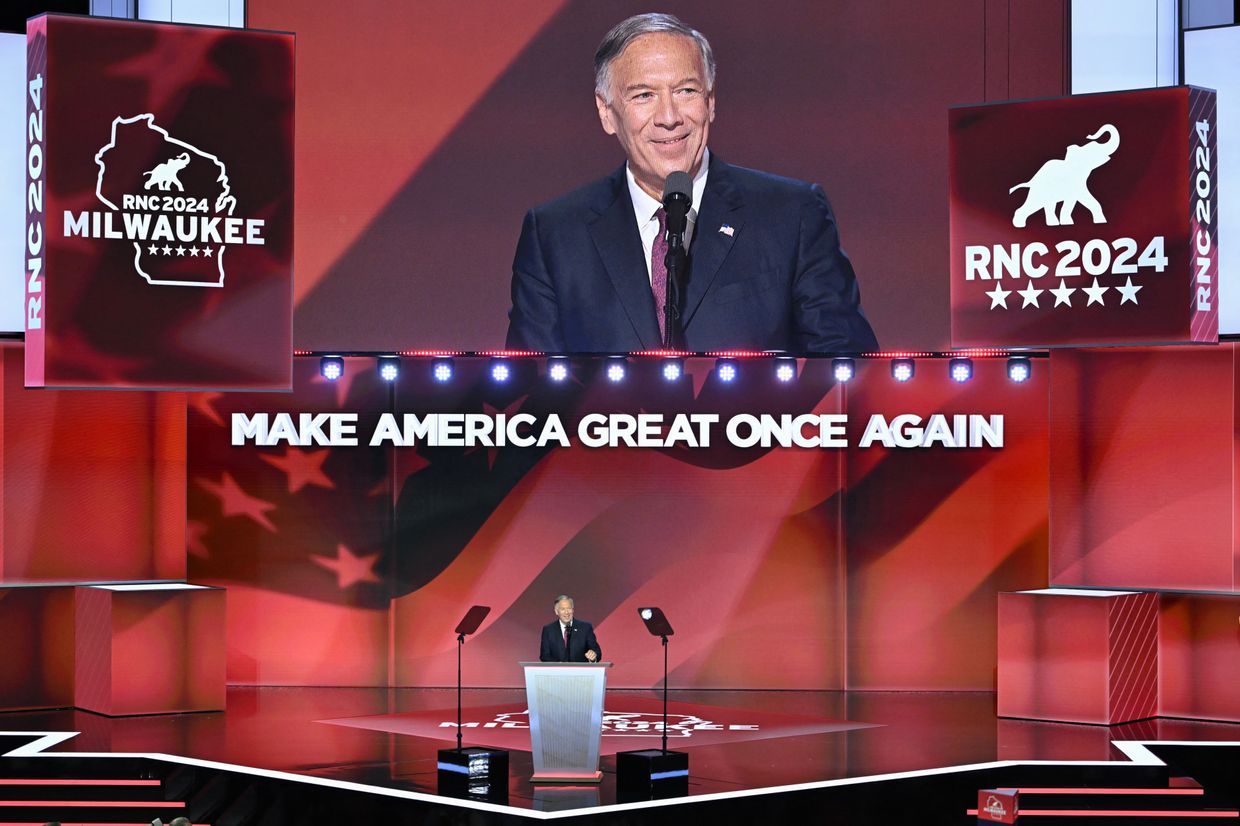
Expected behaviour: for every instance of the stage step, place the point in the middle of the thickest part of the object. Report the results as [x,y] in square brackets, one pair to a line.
[101,801]
[1182,800]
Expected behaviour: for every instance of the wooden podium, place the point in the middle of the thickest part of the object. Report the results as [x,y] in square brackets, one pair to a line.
[566,720]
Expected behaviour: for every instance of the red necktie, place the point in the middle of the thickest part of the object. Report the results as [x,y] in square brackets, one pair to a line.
[564,628]
[658,274]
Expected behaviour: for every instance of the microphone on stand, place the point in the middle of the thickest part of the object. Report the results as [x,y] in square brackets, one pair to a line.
[677,198]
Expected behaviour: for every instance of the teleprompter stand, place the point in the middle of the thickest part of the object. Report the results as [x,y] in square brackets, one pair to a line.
[477,773]
[652,774]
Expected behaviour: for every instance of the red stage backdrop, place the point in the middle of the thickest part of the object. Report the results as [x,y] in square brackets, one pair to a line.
[92,485]
[351,565]
[1143,455]
[160,204]
[426,130]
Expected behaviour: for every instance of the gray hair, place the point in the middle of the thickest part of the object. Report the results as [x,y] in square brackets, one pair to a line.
[563,598]
[625,32]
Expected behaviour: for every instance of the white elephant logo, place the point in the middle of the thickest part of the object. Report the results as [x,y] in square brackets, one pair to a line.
[164,175]
[1062,182]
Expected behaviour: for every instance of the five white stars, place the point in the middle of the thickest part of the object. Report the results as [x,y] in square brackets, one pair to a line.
[1030,295]
[194,252]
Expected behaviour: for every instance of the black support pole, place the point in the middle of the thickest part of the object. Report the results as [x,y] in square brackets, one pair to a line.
[664,637]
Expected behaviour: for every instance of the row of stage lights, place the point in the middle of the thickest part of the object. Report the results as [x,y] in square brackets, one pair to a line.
[727,370]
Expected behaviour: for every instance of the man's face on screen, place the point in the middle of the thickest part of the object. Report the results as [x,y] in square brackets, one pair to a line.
[660,108]
[564,610]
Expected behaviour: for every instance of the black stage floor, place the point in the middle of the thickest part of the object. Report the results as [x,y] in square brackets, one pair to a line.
[737,741]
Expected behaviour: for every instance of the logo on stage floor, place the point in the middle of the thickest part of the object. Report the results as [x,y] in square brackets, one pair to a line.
[172,200]
[621,724]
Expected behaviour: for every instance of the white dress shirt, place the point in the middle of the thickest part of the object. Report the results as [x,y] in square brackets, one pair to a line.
[645,208]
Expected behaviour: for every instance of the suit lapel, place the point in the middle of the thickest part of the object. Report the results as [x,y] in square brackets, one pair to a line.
[616,238]
[722,206]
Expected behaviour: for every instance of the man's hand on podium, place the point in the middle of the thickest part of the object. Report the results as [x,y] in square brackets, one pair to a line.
[591,656]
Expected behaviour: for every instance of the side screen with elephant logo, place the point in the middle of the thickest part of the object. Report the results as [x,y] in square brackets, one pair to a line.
[1083,220]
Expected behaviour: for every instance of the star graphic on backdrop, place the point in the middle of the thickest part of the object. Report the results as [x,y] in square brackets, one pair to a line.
[698,371]
[165,92]
[508,412]
[408,463]
[204,404]
[206,251]
[998,296]
[193,252]
[167,250]
[194,531]
[236,502]
[302,467]
[154,249]
[1128,291]
[1063,294]
[350,569]
[1095,294]
[1030,295]
[341,386]
[180,250]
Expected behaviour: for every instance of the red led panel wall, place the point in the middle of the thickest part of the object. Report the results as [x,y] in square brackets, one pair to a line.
[933,535]
[295,535]
[92,484]
[37,625]
[381,550]
[716,536]
[1199,656]
[1142,493]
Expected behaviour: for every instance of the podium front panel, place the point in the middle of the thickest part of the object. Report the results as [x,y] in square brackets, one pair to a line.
[566,720]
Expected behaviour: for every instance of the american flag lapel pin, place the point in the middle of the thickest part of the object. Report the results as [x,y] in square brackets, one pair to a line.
[727,230]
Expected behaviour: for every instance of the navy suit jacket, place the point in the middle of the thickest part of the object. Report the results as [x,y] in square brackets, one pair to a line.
[580,641]
[777,280]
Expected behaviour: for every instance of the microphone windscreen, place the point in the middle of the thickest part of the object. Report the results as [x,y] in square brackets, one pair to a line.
[678,183]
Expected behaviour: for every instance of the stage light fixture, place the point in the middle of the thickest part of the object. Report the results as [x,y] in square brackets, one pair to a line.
[500,370]
[785,369]
[557,368]
[1019,369]
[331,367]
[617,367]
[902,369]
[389,368]
[441,370]
[843,370]
[672,369]
[726,370]
[961,370]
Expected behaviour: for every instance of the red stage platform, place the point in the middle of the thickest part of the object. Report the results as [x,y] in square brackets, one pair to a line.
[738,741]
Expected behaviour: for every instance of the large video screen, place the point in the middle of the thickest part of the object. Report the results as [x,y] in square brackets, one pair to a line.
[425,132]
